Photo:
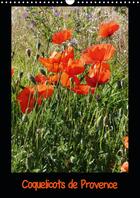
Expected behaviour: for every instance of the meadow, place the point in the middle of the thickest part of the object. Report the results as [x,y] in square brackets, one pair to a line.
[75,128]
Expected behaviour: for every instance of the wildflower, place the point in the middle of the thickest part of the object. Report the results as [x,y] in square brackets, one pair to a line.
[44,92]
[124,167]
[67,80]
[27,98]
[25,14]
[74,67]
[83,89]
[32,25]
[126,142]
[53,79]
[98,53]
[73,42]
[56,13]
[52,63]
[40,78]
[108,29]
[62,36]
[12,71]
[88,16]
[67,54]
[99,73]
[98,97]
[58,60]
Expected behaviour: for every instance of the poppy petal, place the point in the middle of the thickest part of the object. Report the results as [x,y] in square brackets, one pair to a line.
[98,53]
[74,67]
[53,79]
[98,73]
[83,89]
[26,99]
[66,80]
[45,91]
[40,78]
[51,67]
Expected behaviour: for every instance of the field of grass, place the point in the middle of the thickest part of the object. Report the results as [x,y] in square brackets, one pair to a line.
[69,132]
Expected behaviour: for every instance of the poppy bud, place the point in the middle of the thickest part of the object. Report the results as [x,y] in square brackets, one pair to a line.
[38,45]
[43,72]
[120,84]
[20,75]
[28,51]
[98,97]
[43,54]
[37,56]
[22,87]
[13,53]
[31,77]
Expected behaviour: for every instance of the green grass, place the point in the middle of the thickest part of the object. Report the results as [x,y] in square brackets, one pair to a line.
[69,132]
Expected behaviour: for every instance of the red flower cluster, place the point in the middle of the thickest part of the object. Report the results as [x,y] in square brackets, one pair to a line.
[69,69]
[64,68]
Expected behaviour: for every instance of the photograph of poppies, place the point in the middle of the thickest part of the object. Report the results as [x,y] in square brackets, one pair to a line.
[69,89]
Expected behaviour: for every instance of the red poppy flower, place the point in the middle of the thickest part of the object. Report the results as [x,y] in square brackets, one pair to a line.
[97,53]
[62,36]
[74,67]
[66,80]
[53,79]
[52,63]
[67,54]
[107,29]
[98,74]
[40,78]
[83,89]
[124,167]
[91,81]
[26,99]
[30,95]
[58,60]
[12,71]
[126,141]
[44,91]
